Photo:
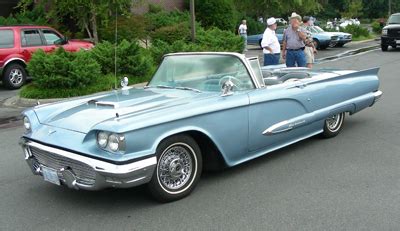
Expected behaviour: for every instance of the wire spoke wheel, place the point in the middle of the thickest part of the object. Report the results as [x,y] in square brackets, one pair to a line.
[175,167]
[333,125]
[178,169]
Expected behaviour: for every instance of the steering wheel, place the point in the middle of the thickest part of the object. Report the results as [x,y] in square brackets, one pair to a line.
[236,82]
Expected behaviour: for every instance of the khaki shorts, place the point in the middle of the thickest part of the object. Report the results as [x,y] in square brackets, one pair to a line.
[309,53]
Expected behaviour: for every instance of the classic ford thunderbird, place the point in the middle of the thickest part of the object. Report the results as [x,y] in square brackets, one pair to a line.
[200,110]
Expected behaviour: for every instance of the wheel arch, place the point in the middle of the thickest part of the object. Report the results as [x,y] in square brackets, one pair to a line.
[211,154]
[14,61]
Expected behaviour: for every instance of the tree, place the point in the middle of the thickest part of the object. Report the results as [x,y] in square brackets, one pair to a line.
[354,9]
[216,13]
[87,13]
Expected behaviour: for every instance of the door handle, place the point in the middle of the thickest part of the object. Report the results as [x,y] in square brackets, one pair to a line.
[301,85]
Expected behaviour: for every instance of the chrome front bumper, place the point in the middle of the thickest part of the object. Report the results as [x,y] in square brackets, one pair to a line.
[81,172]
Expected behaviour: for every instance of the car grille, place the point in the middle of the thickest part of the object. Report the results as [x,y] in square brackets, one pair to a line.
[394,33]
[83,172]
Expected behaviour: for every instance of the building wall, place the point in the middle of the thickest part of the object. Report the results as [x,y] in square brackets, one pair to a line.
[168,5]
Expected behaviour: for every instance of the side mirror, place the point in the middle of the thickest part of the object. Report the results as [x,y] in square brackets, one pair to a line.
[227,88]
[61,41]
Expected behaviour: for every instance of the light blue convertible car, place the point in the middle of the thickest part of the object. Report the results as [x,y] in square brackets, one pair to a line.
[200,110]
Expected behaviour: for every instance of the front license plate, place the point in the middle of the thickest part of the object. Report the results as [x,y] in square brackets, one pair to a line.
[50,175]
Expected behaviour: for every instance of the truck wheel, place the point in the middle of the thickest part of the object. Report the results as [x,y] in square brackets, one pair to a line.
[179,166]
[14,76]
[333,125]
[384,47]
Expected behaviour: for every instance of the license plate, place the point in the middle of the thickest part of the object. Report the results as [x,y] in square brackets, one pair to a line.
[50,175]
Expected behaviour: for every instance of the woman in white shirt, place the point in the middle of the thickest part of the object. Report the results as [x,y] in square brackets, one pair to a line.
[270,44]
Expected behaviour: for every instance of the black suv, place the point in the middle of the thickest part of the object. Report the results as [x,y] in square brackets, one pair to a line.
[391,33]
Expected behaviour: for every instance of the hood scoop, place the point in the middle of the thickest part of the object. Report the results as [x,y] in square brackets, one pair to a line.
[103,103]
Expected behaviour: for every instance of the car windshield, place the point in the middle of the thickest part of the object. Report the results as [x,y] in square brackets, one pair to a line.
[394,19]
[203,72]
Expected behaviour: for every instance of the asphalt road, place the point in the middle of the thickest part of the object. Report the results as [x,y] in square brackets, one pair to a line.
[350,182]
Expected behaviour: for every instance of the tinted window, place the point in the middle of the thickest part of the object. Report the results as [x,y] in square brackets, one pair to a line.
[394,19]
[6,39]
[31,38]
[50,36]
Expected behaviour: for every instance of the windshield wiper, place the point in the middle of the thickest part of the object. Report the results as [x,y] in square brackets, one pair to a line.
[189,89]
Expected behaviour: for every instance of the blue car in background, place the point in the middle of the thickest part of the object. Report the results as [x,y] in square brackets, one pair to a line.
[322,39]
[342,39]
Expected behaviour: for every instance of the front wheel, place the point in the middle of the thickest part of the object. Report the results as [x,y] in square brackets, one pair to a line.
[179,166]
[333,125]
[14,76]
[384,47]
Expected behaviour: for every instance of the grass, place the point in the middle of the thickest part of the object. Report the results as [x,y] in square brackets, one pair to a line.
[102,83]
[362,38]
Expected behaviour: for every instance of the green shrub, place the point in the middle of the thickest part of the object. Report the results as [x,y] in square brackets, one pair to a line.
[254,26]
[173,33]
[155,8]
[103,83]
[377,27]
[132,60]
[356,31]
[163,18]
[215,39]
[62,69]
[130,28]
[217,13]
[207,40]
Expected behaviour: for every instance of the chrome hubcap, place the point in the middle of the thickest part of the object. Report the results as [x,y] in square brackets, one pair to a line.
[175,167]
[333,122]
[15,76]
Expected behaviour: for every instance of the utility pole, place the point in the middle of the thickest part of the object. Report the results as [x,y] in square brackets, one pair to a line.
[193,20]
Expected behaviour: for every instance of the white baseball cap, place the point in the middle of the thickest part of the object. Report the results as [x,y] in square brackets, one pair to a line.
[271,21]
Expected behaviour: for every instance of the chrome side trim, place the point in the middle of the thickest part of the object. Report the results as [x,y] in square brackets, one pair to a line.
[98,165]
[274,128]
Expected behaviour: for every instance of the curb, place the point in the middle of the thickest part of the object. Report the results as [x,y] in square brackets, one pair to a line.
[18,102]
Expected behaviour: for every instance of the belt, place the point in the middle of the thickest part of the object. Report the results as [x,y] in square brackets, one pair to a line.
[302,48]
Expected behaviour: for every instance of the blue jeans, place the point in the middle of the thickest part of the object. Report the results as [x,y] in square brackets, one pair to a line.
[295,57]
[271,59]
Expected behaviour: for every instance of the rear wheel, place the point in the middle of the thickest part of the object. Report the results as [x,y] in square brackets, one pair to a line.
[384,47]
[14,76]
[178,168]
[333,125]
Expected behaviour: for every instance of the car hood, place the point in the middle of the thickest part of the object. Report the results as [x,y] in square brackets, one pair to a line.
[338,33]
[83,114]
[392,26]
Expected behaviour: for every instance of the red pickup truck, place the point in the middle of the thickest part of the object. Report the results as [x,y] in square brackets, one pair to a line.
[17,43]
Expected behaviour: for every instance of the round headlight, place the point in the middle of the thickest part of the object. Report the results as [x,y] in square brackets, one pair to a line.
[27,123]
[102,139]
[113,142]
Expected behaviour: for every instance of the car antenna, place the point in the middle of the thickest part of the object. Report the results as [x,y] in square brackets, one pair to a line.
[115,58]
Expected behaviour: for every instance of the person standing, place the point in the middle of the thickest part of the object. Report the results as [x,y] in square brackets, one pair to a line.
[270,44]
[242,31]
[293,43]
[309,49]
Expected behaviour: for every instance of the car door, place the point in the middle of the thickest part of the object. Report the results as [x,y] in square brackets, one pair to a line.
[31,40]
[270,110]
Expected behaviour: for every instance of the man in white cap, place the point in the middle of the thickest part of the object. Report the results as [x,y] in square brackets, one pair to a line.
[270,44]
[293,43]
